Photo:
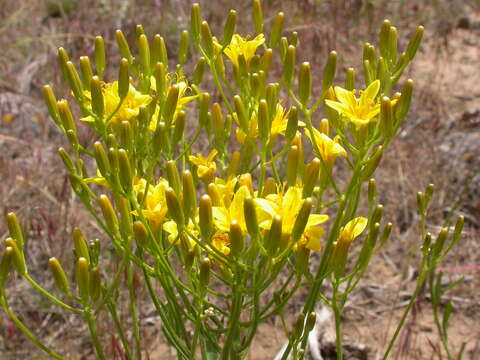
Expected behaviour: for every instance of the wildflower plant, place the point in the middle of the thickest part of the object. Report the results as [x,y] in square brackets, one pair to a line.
[210,218]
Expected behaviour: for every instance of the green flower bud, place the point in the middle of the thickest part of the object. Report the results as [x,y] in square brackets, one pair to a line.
[289,66]
[174,208]
[220,67]
[205,218]
[86,71]
[160,138]
[195,21]
[204,105]
[384,37]
[414,43]
[199,71]
[159,52]
[125,210]
[387,230]
[98,104]
[51,103]
[61,280]
[67,160]
[125,171]
[302,219]
[5,265]
[218,125]
[294,38]
[250,213]
[428,193]
[272,239]
[173,176]
[283,47]
[63,58]
[387,120]
[312,171]
[440,242]
[18,258]
[179,128]
[123,79]
[170,105]
[372,164]
[292,165]
[241,113]
[234,163]
[15,229]
[276,32]
[204,275]
[329,71]
[302,255]
[189,194]
[139,30]
[382,72]
[257,15]
[311,320]
[299,325]
[183,49]
[207,39]
[266,60]
[126,136]
[141,234]
[272,93]
[159,74]
[421,203]
[80,245]
[108,213]
[99,56]
[377,214]
[263,121]
[324,127]
[368,72]
[237,240]
[292,124]
[392,44]
[350,79]
[123,46]
[457,232]
[305,83]
[95,283]
[113,159]
[82,274]
[426,243]
[66,116]
[229,28]
[401,108]
[144,54]
[270,186]
[74,81]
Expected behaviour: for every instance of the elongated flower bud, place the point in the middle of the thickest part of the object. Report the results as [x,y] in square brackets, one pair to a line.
[144,54]
[234,163]
[140,233]
[123,46]
[178,131]
[302,255]
[257,16]
[324,127]
[350,79]
[299,325]
[170,104]
[18,258]
[250,213]
[195,21]
[263,121]
[329,71]
[80,245]
[457,232]
[199,71]
[229,28]
[63,58]
[5,265]
[237,240]
[305,83]
[123,79]
[421,203]
[276,32]
[98,103]
[86,71]
[384,35]
[440,242]
[302,219]
[183,49]
[372,163]
[387,230]
[387,120]
[159,74]
[206,217]
[82,275]
[61,280]
[266,60]
[292,123]
[51,103]
[95,284]
[174,207]
[173,176]
[207,39]
[214,194]
[272,240]
[312,171]
[67,160]
[74,80]
[204,275]
[289,65]
[428,193]
[218,124]
[204,105]
[241,113]
[99,56]
[15,229]
[401,108]
[414,43]
[372,192]
[66,116]
[108,213]
[189,194]
[125,171]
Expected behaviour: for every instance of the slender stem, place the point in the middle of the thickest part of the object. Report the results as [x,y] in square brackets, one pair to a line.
[133,310]
[94,335]
[338,325]
[113,312]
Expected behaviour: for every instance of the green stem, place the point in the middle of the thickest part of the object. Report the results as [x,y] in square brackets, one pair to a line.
[134,311]
[118,326]
[94,335]
[338,325]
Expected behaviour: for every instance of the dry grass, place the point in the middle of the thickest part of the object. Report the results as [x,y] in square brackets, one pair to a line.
[439,144]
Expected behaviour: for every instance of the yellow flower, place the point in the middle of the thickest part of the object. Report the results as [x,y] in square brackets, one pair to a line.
[359,111]
[226,189]
[352,229]
[171,228]
[223,215]
[129,108]
[155,204]
[329,149]
[240,45]
[206,167]
[181,102]
[221,242]
[288,205]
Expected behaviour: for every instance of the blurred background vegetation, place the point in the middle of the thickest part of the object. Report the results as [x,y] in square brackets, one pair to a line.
[440,143]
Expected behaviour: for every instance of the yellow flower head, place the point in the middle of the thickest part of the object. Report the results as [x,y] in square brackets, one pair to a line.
[206,167]
[155,203]
[171,228]
[129,108]
[242,46]
[353,229]
[288,205]
[359,111]
[226,189]
[329,149]
[221,242]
